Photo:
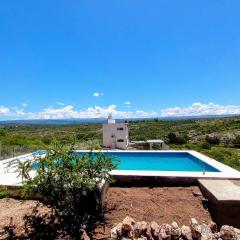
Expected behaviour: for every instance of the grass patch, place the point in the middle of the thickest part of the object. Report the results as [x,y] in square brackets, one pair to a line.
[11,192]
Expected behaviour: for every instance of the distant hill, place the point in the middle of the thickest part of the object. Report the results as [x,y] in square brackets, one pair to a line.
[76,121]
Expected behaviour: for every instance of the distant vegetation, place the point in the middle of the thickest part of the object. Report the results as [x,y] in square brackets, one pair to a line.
[218,138]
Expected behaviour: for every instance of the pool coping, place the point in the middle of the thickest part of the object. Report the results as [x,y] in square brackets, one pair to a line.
[10,178]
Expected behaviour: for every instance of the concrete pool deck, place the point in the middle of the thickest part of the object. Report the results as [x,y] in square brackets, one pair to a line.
[223,200]
[8,177]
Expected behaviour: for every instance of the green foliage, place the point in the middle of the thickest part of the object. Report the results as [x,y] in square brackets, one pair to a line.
[86,136]
[236,142]
[205,145]
[176,139]
[2,133]
[6,192]
[47,140]
[226,156]
[214,140]
[89,136]
[70,183]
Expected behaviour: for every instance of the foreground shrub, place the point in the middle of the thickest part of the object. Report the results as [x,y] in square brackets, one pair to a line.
[70,183]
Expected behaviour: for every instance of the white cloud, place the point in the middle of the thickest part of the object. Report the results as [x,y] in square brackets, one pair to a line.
[68,111]
[60,103]
[64,112]
[141,113]
[24,105]
[91,112]
[19,113]
[198,109]
[127,103]
[4,111]
[97,94]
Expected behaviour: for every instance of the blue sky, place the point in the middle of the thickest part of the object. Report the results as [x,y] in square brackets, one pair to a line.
[63,59]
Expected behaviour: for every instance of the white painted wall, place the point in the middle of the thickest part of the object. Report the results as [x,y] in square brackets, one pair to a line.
[112,135]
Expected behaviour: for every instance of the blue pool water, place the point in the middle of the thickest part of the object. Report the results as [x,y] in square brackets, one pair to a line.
[159,161]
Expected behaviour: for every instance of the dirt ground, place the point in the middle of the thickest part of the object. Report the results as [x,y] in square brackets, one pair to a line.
[13,214]
[161,204]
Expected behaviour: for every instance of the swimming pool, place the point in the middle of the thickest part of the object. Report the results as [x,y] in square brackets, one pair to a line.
[159,161]
[141,165]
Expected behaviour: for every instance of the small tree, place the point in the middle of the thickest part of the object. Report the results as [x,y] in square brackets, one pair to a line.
[173,138]
[214,140]
[70,183]
[236,142]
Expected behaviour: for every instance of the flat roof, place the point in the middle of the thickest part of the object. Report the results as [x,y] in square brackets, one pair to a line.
[149,141]
[155,141]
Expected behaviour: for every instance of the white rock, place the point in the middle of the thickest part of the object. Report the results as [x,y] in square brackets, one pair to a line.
[228,233]
[155,228]
[176,231]
[206,233]
[140,228]
[128,223]
[195,229]
[186,232]
[165,232]
[237,231]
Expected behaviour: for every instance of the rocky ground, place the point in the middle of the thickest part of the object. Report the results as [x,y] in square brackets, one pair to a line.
[160,204]
[129,229]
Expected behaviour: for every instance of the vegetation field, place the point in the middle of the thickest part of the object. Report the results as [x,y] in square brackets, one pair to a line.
[218,138]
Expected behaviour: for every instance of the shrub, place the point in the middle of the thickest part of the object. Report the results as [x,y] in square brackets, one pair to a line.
[205,145]
[2,133]
[157,146]
[70,183]
[173,138]
[86,136]
[214,140]
[236,142]
[47,140]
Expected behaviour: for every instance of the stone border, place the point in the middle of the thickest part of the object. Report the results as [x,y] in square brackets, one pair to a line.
[129,229]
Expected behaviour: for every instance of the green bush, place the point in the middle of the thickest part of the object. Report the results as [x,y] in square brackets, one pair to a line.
[70,183]
[214,140]
[173,138]
[2,133]
[236,142]
[47,140]
[205,145]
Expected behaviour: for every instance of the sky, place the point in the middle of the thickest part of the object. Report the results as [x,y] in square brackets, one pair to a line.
[131,58]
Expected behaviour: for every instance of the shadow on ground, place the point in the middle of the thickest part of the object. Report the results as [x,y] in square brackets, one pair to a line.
[39,226]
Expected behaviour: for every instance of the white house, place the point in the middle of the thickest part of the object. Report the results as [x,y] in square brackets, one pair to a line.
[115,135]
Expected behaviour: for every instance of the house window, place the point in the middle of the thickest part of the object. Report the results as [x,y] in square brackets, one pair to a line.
[120,129]
[120,140]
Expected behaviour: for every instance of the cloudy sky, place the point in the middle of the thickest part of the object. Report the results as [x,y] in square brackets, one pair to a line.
[78,59]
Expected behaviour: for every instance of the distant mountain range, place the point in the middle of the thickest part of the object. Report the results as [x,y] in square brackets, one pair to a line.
[76,121]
